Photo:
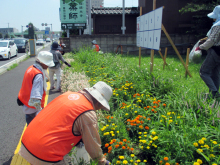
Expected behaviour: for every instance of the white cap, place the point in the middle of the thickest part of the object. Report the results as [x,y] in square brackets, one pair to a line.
[46,58]
[102,93]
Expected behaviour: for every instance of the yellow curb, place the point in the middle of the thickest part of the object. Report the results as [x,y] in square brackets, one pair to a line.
[17,159]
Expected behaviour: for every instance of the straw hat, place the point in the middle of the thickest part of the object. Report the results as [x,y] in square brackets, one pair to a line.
[46,58]
[102,93]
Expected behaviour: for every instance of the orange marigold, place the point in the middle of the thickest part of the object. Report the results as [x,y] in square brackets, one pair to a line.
[106,145]
[123,147]
[120,143]
[166,158]
[164,105]
[146,127]
[148,119]
[141,127]
[124,140]
[167,163]
[116,146]
[114,140]
[105,154]
[177,163]
[148,106]
[154,107]
[110,148]
[132,149]
[160,161]
[111,142]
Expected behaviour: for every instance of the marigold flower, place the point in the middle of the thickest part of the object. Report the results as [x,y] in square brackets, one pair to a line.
[118,162]
[141,127]
[123,147]
[199,161]
[132,149]
[166,158]
[196,163]
[177,164]
[116,146]
[120,143]
[154,106]
[167,163]
[138,160]
[148,106]
[164,105]
[148,119]
[121,157]
[196,144]
[132,155]
[106,145]
[145,161]
[124,140]
[146,127]
[160,161]
[125,162]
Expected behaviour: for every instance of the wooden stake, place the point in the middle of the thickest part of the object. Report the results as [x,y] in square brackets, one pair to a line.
[162,58]
[175,49]
[165,57]
[187,59]
[152,51]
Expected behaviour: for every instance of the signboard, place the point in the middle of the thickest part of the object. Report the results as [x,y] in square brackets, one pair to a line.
[46,32]
[149,29]
[73,14]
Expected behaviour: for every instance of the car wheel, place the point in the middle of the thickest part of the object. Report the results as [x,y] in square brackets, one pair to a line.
[9,55]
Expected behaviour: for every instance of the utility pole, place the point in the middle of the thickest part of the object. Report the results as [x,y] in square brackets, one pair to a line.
[8,30]
[89,17]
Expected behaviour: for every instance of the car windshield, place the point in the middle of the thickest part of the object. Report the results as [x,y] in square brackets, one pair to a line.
[40,40]
[48,38]
[19,41]
[3,44]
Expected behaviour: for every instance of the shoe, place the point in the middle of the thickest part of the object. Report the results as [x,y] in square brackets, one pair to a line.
[52,88]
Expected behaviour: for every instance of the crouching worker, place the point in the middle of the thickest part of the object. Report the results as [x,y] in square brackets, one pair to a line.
[33,90]
[63,123]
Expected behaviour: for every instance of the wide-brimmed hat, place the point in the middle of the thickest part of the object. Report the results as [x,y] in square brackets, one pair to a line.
[55,46]
[102,93]
[46,58]
[94,42]
[215,14]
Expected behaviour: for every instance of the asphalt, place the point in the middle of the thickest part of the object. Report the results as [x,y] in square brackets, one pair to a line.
[12,119]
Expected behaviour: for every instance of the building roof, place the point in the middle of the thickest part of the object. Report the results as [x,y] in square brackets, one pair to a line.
[115,10]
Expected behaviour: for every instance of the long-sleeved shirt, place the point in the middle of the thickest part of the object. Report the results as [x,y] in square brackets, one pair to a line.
[213,39]
[57,56]
[36,91]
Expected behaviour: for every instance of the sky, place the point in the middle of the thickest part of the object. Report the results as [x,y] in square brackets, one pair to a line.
[17,13]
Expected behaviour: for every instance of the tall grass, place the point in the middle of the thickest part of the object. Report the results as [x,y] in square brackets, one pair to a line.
[183,116]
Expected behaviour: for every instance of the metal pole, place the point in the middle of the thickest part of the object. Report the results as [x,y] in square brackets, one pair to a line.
[22,31]
[123,18]
[89,16]
[8,30]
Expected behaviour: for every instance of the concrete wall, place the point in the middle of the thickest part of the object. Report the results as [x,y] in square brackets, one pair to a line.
[110,42]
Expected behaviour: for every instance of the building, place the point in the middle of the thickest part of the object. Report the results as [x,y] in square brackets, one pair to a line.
[108,20]
[95,4]
[5,31]
[172,19]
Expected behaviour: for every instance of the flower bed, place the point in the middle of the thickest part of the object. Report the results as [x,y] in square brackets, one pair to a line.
[158,118]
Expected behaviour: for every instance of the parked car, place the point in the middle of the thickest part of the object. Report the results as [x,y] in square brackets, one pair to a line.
[8,49]
[40,42]
[47,39]
[22,44]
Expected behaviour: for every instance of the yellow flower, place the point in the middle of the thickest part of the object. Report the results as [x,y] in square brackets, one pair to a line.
[148,147]
[121,157]
[131,160]
[145,160]
[151,141]
[117,131]
[154,133]
[139,133]
[201,142]
[206,146]
[126,114]
[196,144]
[203,138]
[214,142]
[199,150]
[212,155]
[132,155]
[135,111]
[145,132]
[138,160]
[125,162]
[214,164]
[168,113]
[118,162]
[196,163]
[199,161]
[139,137]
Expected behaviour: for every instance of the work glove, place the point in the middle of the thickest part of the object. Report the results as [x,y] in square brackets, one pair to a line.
[197,49]
[107,162]
[67,64]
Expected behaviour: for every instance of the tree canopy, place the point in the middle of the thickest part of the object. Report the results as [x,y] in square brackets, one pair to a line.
[200,9]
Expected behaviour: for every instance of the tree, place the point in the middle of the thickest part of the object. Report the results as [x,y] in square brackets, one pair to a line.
[31,32]
[1,35]
[7,36]
[200,9]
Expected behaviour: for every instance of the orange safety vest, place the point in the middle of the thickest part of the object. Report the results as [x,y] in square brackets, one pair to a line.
[96,47]
[49,137]
[26,87]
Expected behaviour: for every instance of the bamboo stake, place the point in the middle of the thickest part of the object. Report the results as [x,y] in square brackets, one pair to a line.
[152,51]
[165,57]
[175,49]
[187,59]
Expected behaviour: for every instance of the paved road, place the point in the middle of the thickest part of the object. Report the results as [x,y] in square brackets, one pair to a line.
[12,119]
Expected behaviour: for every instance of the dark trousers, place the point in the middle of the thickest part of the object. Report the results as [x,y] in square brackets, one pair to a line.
[209,71]
[30,117]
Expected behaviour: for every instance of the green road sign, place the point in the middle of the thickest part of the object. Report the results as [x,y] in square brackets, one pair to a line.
[72,12]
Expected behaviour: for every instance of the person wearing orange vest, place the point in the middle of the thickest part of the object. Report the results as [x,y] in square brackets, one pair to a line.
[63,123]
[33,89]
[95,46]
